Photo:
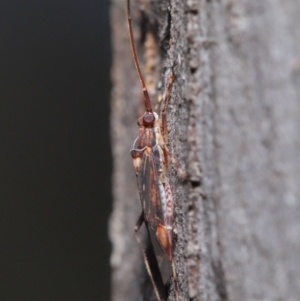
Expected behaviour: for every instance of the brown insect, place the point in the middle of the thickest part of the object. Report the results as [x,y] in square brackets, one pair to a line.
[151,162]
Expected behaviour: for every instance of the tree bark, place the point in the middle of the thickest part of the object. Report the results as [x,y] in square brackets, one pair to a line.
[234,122]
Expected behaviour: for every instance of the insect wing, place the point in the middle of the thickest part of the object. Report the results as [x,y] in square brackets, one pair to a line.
[149,191]
[150,194]
[162,258]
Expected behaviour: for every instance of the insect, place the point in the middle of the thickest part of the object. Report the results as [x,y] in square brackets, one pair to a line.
[151,158]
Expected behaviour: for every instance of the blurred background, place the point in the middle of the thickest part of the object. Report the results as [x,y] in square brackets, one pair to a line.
[55,161]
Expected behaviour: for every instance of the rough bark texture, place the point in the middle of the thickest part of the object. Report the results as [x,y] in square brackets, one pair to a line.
[234,125]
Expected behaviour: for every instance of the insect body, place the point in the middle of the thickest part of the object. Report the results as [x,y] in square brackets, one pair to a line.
[151,161]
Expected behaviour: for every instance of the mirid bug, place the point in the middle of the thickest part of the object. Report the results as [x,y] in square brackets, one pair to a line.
[151,162]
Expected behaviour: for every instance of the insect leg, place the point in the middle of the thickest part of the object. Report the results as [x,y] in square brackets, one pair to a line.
[166,98]
[164,128]
[175,279]
[181,172]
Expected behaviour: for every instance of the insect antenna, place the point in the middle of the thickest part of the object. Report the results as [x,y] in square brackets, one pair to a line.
[136,61]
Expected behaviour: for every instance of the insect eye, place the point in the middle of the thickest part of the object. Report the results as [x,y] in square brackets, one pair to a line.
[148,119]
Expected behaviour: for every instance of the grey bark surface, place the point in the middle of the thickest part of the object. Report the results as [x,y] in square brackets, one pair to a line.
[234,126]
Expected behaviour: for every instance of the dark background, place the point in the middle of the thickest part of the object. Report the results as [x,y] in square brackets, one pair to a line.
[55,161]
